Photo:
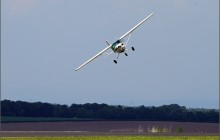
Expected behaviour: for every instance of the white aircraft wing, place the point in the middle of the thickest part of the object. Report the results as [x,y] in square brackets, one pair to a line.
[94,57]
[135,27]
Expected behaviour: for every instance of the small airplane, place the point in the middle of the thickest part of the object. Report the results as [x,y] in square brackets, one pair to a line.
[119,46]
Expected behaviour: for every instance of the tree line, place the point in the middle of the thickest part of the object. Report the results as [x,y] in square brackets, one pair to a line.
[172,112]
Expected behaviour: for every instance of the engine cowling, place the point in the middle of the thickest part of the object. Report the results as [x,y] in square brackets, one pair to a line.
[120,48]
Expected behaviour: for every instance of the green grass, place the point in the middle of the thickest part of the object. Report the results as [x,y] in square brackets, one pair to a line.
[116,138]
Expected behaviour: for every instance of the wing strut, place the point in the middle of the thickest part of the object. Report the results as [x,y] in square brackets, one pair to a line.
[128,39]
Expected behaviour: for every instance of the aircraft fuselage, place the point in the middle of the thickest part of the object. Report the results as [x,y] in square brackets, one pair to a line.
[118,46]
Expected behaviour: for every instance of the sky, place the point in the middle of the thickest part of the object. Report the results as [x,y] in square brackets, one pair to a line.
[176,60]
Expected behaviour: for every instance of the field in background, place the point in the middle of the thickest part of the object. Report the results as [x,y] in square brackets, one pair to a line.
[110,128]
[117,138]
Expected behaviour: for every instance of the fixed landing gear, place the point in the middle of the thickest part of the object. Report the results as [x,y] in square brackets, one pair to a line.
[132,48]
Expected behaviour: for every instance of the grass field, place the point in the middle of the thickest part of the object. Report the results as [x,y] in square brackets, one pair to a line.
[116,138]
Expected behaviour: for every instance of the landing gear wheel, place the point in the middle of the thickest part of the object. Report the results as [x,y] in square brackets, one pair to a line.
[115,62]
[126,54]
[132,48]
